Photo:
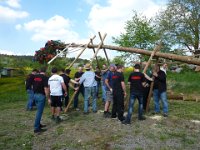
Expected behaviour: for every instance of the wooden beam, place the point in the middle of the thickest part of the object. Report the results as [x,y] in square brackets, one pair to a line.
[91,41]
[186,59]
[86,46]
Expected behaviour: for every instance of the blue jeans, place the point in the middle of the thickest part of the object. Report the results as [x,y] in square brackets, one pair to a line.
[157,96]
[103,92]
[30,99]
[40,103]
[90,91]
[133,96]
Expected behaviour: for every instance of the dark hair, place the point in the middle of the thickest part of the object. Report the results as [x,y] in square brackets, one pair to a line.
[63,70]
[119,66]
[67,71]
[137,66]
[43,69]
[87,69]
[54,70]
[34,70]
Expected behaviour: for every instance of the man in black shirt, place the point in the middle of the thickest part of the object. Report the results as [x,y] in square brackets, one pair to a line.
[135,80]
[29,89]
[159,91]
[77,77]
[98,79]
[119,92]
[41,91]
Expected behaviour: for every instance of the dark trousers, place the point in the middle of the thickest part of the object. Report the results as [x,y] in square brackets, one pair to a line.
[145,96]
[81,90]
[66,98]
[118,105]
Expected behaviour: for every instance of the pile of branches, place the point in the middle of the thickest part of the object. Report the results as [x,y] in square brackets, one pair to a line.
[46,53]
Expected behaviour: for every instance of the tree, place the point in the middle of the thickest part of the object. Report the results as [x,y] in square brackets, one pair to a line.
[118,60]
[179,23]
[139,33]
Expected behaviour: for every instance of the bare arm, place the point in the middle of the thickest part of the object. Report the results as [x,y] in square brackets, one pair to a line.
[64,87]
[73,81]
[147,77]
[124,88]
[107,84]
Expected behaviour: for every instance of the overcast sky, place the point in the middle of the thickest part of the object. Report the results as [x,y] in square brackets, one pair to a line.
[25,25]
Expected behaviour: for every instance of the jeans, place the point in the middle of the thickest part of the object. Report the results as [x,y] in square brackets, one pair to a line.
[81,90]
[90,91]
[40,103]
[98,88]
[157,96]
[103,92]
[133,96]
[30,99]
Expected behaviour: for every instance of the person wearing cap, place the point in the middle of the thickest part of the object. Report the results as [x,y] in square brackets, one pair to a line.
[136,81]
[109,90]
[119,92]
[89,83]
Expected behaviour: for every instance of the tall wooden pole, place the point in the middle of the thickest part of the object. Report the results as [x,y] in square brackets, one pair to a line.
[98,47]
[104,48]
[94,53]
[81,52]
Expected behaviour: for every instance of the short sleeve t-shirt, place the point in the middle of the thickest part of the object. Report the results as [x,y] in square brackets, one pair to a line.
[39,82]
[55,84]
[117,78]
[109,78]
[136,79]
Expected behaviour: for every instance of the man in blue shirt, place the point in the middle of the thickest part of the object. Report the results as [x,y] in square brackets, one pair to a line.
[89,83]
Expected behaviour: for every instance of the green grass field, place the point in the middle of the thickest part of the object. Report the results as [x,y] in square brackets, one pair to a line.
[181,130]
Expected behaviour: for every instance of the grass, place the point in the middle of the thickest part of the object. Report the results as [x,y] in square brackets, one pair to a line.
[92,131]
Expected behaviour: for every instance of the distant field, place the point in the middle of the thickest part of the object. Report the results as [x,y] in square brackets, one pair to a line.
[180,131]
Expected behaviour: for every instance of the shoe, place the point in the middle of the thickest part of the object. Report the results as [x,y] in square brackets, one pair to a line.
[52,117]
[155,113]
[141,118]
[165,115]
[40,130]
[95,111]
[113,116]
[58,119]
[42,125]
[85,113]
[122,119]
[77,109]
[125,122]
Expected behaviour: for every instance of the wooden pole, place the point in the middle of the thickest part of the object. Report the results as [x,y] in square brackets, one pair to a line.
[94,53]
[66,109]
[81,52]
[186,59]
[104,49]
[98,47]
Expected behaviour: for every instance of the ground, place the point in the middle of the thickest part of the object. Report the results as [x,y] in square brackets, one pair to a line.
[181,130]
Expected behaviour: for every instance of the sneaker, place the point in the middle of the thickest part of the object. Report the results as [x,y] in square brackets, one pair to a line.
[122,119]
[141,118]
[39,130]
[58,119]
[165,115]
[42,125]
[95,111]
[77,109]
[125,122]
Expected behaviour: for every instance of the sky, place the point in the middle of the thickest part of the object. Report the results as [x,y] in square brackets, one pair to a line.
[26,25]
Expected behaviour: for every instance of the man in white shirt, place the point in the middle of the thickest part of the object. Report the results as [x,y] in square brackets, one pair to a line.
[56,84]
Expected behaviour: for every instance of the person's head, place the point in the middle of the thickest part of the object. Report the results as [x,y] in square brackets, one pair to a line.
[120,68]
[43,70]
[67,71]
[97,68]
[104,67]
[34,71]
[62,70]
[137,66]
[87,67]
[54,70]
[80,69]
[156,68]
[112,67]
[164,65]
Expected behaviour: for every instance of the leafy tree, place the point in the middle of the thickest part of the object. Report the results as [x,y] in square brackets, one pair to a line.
[101,61]
[179,23]
[118,60]
[139,33]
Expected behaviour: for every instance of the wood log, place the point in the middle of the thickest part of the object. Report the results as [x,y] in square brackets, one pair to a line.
[186,59]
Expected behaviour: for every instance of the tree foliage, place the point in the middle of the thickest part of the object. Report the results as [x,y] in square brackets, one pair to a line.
[179,24]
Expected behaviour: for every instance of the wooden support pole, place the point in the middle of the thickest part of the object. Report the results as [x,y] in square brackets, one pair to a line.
[66,109]
[91,41]
[104,49]
[81,52]
[98,47]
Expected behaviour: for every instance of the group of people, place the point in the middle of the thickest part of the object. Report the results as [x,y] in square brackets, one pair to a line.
[110,80]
